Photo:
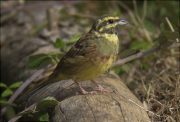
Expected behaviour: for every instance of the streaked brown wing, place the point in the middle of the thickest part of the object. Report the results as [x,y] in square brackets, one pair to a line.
[83,46]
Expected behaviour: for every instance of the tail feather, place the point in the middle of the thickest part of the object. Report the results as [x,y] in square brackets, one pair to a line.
[41,85]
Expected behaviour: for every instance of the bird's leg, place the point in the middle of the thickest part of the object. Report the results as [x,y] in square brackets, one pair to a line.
[82,90]
[100,88]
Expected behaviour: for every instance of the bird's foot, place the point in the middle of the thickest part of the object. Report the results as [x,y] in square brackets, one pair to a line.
[86,93]
[101,89]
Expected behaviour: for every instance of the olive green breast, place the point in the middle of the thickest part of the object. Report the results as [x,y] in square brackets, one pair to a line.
[108,44]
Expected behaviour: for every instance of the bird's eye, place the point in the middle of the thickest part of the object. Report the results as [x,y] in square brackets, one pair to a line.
[110,21]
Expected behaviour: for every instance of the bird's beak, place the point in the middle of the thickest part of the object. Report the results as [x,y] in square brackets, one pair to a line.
[123,22]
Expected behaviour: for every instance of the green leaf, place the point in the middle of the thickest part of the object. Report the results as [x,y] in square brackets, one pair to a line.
[74,38]
[162,26]
[38,28]
[166,44]
[7,103]
[6,93]
[59,43]
[127,53]
[161,39]
[171,35]
[164,38]
[55,57]
[55,53]
[15,85]
[144,65]
[149,25]
[25,112]
[47,102]
[3,85]
[123,69]
[117,13]
[55,61]
[68,48]
[42,116]
[30,109]
[38,61]
[144,45]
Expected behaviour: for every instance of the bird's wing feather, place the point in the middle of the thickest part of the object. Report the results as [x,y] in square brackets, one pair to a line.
[82,47]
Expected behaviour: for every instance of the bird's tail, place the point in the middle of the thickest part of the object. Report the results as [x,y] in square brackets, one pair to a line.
[38,87]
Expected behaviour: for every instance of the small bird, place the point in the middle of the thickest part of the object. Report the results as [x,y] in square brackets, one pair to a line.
[89,57]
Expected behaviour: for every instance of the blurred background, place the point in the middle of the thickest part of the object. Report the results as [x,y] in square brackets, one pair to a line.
[51,27]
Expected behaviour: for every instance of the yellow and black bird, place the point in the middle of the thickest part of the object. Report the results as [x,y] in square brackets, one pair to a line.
[89,57]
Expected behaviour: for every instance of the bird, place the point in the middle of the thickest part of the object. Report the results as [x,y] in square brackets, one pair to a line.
[92,55]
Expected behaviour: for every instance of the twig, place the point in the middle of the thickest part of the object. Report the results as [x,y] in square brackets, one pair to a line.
[136,12]
[141,22]
[170,26]
[133,70]
[129,12]
[167,20]
[176,44]
[143,108]
[144,10]
[148,92]
[142,81]
[135,56]
[164,80]
[22,87]
[156,101]
[116,8]
[38,28]
[8,16]
[140,54]
[51,15]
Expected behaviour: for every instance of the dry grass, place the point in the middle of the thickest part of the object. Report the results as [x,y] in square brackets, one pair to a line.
[158,88]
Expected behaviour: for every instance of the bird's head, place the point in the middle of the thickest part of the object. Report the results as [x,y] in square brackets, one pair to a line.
[108,24]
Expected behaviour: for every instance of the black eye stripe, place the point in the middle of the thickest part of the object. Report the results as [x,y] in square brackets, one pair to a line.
[110,21]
